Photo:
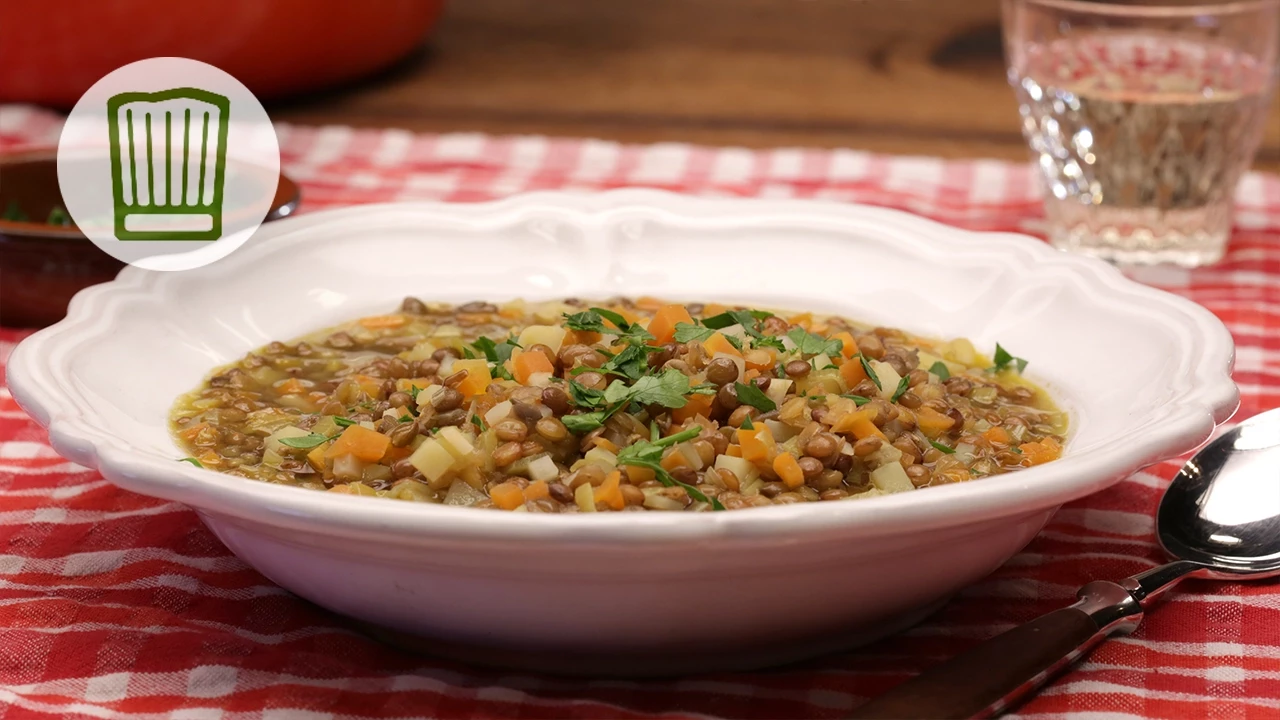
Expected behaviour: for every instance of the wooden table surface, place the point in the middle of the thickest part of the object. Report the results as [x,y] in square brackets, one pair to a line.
[901,76]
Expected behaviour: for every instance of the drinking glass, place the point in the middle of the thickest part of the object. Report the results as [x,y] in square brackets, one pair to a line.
[1142,119]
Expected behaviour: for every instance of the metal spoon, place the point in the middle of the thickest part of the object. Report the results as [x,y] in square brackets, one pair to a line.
[1219,519]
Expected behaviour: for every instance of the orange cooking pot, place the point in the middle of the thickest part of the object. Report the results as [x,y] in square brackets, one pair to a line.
[52,51]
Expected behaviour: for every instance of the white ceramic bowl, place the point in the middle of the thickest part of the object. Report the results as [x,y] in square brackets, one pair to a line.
[1145,376]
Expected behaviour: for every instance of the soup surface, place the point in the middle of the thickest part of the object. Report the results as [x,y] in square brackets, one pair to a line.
[620,405]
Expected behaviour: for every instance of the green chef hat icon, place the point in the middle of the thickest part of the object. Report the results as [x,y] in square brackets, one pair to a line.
[168,157]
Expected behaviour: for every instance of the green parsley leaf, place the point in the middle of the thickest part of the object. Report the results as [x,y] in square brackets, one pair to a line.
[59,217]
[755,397]
[584,423]
[939,368]
[191,460]
[14,213]
[942,448]
[903,384]
[857,399]
[405,419]
[468,353]
[587,320]
[304,442]
[1003,360]
[583,396]
[729,318]
[692,333]
[705,388]
[632,363]
[612,317]
[500,371]
[1016,449]
[343,422]
[747,424]
[762,341]
[479,423]
[667,389]
[809,344]
[495,352]
[735,341]
[866,368]
[654,433]
[649,455]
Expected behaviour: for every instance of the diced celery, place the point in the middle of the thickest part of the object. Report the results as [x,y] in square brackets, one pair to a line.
[778,389]
[461,493]
[585,497]
[888,377]
[543,468]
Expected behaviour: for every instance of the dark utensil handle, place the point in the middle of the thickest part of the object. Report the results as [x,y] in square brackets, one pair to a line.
[988,679]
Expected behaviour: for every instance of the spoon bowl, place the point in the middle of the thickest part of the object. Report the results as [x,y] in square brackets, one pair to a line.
[1222,510]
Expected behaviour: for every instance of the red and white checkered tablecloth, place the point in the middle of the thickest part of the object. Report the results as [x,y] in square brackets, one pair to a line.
[114,605]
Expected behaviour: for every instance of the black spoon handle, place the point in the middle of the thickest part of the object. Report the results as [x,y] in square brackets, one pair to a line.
[990,678]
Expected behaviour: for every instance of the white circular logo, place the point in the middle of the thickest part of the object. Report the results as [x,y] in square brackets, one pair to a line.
[168,164]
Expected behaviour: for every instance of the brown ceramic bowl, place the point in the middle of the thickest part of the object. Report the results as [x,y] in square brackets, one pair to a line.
[43,265]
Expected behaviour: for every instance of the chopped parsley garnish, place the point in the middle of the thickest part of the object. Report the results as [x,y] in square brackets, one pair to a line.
[191,460]
[751,395]
[497,354]
[343,422]
[857,399]
[768,341]
[735,341]
[592,320]
[903,384]
[468,353]
[584,423]
[692,333]
[304,442]
[705,388]
[866,368]
[632,363]
[479,423]
[583,396]
[750,322]
[942,448]
[747,424]
[648,454]
[667,390]
[939,368]
[810,344]
[1003,360]
[1016,449]
[405,419]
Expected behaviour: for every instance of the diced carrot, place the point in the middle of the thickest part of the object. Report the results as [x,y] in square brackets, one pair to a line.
[525,364]
[371,386]
[818,326]
[695,405]
[646,302]
[406,385]
[859,424]
[537,490]
[788,470]
[933,423]
[663,325]
[382,322]
[733,451]
[316,456]
[804,320]
[190,433]
[396,453]
[507,495]
[581,337]
[477,378]
[757,443]
[511,311]
[852,374]
[997,435]
[639,474]
[609,491]
[605,443]
[367,445]
[718,344]
[674,459]
[848,346]
[1038,453]
[292,386]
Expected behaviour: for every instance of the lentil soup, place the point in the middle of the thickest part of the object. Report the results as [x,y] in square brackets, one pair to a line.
[621,405]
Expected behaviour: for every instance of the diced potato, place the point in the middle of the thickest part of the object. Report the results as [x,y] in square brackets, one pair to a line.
[433,460]
[585,497]
[543,468]
[540,379]
[782,432]
[744,469]
[821,361]
[601,457]
[426,393]
[456,442]
[891,478]
[889,378]
[735,330]
[866,494]
[273,440]
[411,490]
[550,335]
[421,351]
[960,350]
[778,389]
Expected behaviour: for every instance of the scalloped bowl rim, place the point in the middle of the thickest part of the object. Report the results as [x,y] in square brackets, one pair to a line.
[41,385]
